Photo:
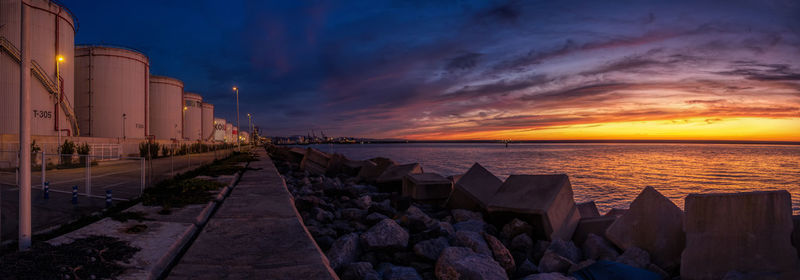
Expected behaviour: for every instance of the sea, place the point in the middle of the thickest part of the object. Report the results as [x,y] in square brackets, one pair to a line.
[610,174]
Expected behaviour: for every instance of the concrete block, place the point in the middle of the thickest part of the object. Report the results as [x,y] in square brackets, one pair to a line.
[588,209]
[654,224]
[544,201]
[429,187]
[748,232]
[796,233]
[315,162]
[392,178]
[373,168]
[474,189]
[595,225]
[616,212]
[339,164]
[296,155]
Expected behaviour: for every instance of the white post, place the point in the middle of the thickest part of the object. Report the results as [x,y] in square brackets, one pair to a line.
[44,165]
[88,176]
[24,134]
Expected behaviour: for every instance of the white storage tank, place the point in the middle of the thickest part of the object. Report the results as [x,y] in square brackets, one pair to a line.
[112,85]
[166,104]
[207,121]
[229,133]
[219,129]
[192,116]
[52,35]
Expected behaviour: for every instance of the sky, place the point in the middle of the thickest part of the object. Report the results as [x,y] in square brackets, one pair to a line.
[520,70]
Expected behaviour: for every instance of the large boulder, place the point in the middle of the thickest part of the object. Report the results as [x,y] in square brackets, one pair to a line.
[635,257]
[462,215]
[416,220]
[547,276]
[654,224]
[472,240]
[474,189]
[544,201]
[747,232]
[315,162]
[462,263]
[344,251]
[392,179]
[432,248]
[566,249]
[360,271]
[500,253]
[394,272]
[427,187]
[514,228]
[597,248]
[593,225]
[386,234]
[553,262]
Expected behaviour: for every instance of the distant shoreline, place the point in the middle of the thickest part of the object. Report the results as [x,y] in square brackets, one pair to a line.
[745,142]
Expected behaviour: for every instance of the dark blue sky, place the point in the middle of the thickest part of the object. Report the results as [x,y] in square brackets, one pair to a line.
[462,69]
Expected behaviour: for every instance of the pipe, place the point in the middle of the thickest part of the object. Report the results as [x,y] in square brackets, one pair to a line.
[24,133]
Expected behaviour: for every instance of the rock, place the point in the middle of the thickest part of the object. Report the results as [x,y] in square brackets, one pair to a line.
[471,225]
[315,162]
[514,228]
[565,249]
[594,225]
[526,268]
[597,248]
[500,253]
[544,201]
[322,215]
[474,190]
[553,262]
[447,229]
[522,242]
[635,257]
[472,240]
[375,218]
[362,202]
[416,220]
[386,234]
[344,251]
[320,231]
[547,276]
[654,224]
[427,187]
[654,268]
[462,215]
[306,203]
[431,249]
[360,271]
[588,209]
[342,227]
[747,232]
[353,214]
[401,273]
[325,242]
[383,207]
[462,263]
[539,248]
[579,266]
[392,179]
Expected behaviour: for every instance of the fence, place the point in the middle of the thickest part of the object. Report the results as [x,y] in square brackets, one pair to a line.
[103,152]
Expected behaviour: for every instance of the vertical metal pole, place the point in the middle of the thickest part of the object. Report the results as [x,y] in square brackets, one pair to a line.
[88,176]
[238,127]
[141,186]
[44,165]
[24,134]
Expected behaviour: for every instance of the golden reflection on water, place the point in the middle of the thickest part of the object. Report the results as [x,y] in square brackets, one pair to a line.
[613,174]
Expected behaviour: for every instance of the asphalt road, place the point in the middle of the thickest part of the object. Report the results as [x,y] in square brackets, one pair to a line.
[122,177]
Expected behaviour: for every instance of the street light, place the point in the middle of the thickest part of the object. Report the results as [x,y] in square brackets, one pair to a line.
[238,147]
[59,59]
[250,120]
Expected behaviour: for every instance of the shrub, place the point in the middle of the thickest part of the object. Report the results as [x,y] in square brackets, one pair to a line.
[83,150]
[165,151]
[67,149]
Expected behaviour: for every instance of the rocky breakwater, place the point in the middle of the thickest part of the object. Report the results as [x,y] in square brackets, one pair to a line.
[377,219]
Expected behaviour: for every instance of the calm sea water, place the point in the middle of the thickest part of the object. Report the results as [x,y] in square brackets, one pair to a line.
[612,174]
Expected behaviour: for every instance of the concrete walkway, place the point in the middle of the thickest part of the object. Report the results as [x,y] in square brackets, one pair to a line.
[255,234]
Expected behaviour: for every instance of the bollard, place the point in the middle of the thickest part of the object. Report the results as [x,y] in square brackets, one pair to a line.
[75,194]
[46,190]
[108,198]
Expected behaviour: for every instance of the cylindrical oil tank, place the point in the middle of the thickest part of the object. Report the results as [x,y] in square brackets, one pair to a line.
[229,133]
[192,116]
[112,85]
[166,105]
[207,122]
[52,35]
[219,129]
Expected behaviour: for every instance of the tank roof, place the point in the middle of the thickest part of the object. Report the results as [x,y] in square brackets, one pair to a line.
[192,95]
[157,77]
[208,105]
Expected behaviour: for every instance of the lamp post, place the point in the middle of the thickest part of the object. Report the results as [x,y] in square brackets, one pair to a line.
[250,120]
[124,117]
[59,59]
[183,122]
[24,164]
[238,146]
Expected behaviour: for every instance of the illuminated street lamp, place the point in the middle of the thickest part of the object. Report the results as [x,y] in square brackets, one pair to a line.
[59,59]
[237,119]
[250,120]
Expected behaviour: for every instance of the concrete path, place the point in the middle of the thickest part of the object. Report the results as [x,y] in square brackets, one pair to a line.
[255,234]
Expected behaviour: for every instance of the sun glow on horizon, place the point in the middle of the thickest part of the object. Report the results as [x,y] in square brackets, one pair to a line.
[704,128]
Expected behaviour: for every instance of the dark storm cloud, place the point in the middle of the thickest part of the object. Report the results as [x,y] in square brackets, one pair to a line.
[416,68]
